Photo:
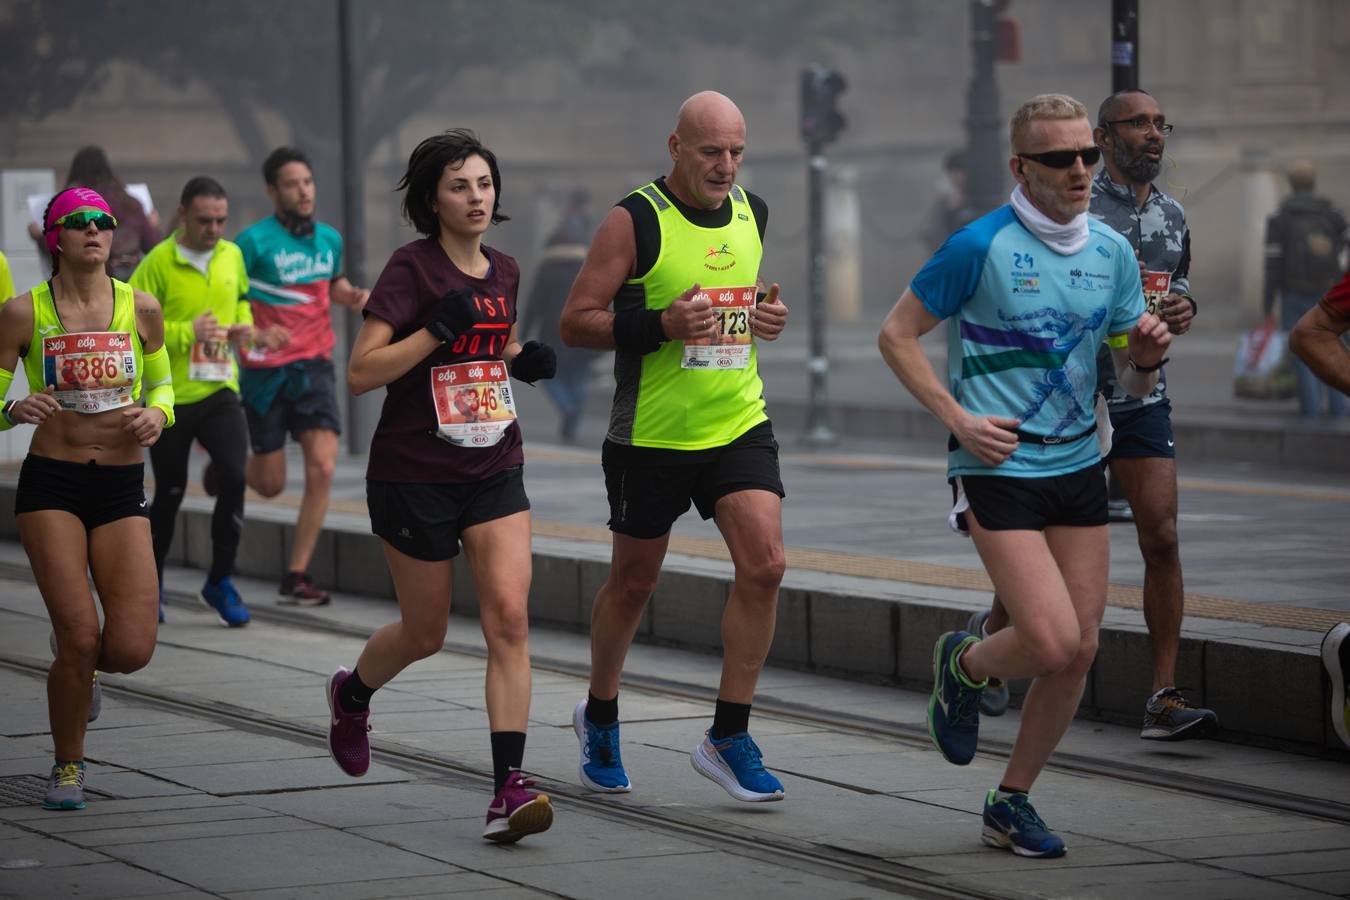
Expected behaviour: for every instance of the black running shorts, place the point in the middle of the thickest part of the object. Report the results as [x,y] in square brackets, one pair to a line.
[425,520]
[1001,503]
[1144,433]
[650,488]
[94,494]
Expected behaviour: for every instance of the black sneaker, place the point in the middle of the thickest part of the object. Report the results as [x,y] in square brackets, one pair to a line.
[298,590]
[1169,716]
[1336,657]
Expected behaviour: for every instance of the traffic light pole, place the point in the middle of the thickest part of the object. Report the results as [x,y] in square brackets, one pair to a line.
[818,432]
[985,147]
[353,210]
[1124,45]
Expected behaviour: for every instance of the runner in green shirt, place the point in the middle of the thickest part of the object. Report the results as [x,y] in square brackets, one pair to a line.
[200,281]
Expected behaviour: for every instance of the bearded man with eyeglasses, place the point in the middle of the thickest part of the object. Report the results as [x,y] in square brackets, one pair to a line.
[1033,288]
[1132,132]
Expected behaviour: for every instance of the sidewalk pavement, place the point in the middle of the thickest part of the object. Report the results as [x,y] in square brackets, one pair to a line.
[874,575]
[213,781]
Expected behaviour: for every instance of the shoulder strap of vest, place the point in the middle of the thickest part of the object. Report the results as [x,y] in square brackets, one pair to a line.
[653,194]
[737,195]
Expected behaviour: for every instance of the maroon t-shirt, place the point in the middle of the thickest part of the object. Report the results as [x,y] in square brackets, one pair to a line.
[405,447]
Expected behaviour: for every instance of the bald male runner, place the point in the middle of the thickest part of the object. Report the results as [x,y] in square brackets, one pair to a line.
[678,260]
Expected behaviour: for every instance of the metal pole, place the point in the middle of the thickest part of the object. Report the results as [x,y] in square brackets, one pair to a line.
[985,150]
[353,210]
[818,432]
[1124,45]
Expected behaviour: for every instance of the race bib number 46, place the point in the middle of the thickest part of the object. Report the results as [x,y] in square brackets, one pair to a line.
[90,372]
[474,406]
[730,347]
[1156,287]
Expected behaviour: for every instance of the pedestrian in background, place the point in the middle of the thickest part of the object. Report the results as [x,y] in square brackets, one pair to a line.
[1305,240]
[137,230]
[563,254]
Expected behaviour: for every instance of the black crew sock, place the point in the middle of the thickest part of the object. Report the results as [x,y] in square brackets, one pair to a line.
[1004,790]
[729,718]
[602,712]
[508,752]
[354,696]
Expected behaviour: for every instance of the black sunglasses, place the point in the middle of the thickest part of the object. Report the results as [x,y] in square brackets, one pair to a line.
[1062,159]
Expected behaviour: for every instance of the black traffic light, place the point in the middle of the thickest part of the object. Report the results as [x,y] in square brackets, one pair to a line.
[821,119]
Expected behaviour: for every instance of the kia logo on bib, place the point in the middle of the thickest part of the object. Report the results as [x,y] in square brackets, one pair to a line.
[724,361]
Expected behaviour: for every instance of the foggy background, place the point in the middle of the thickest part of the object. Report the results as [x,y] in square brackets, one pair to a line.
[583,95]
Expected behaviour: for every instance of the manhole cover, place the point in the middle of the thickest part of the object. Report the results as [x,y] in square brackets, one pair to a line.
[29,790]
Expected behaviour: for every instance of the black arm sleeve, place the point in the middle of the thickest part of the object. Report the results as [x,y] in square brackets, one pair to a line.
[761,211]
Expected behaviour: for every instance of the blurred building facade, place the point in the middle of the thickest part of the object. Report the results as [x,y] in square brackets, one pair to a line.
[1250,85]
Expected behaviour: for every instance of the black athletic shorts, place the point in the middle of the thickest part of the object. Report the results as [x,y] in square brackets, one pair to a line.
[1144,433]
[1001,503]
[425,520]
[95,494]
[649,488]
[313,407]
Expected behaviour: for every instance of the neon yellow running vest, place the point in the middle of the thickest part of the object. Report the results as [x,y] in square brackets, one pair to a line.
[657,401]
[47,324]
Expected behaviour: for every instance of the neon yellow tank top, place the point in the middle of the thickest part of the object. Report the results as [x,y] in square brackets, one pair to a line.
[686,396]
[91,372]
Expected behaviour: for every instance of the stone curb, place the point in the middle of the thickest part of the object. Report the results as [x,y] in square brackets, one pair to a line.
[855,628]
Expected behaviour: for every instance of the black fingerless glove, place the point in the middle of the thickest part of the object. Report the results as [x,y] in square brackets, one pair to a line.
[454,315]
[533,362]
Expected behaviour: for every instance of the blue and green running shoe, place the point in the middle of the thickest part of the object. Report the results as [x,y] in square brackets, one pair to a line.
[1013,824]
[954,707]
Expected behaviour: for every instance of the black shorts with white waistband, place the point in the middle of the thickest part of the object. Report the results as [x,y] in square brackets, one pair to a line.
[93,493]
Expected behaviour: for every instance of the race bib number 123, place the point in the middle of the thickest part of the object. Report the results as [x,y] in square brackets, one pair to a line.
[730,347]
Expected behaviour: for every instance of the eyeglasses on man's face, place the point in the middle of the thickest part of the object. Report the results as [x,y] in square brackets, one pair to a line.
[1141,124]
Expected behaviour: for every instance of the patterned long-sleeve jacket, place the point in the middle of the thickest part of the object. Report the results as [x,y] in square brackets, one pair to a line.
[1159,233]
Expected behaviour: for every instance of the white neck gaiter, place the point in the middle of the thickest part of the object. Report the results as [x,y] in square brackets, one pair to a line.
[1065,240]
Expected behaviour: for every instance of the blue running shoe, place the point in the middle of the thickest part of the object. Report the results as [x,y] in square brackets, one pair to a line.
[1013,824]
[736,764]
[954,707]
[225,600]
[601,764]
